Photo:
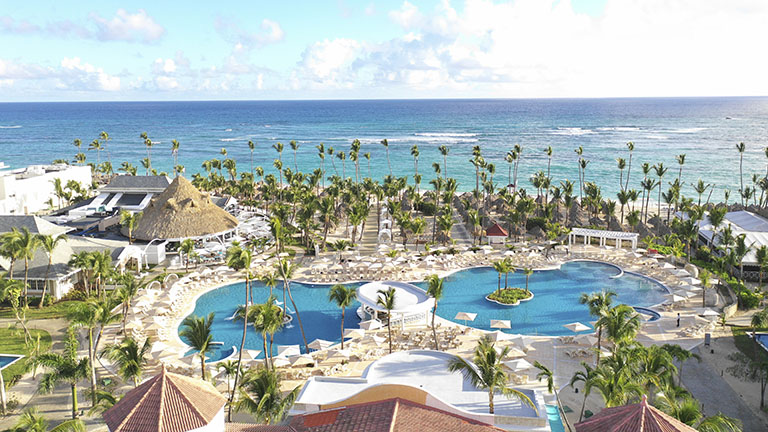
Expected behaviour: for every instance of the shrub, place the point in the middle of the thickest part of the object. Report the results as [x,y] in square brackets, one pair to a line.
[535,221]
[749,299]
[509,295]
[427,208]
[703,253]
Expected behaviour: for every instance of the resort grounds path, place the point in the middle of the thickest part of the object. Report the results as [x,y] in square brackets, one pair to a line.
[55,406]
[716,395]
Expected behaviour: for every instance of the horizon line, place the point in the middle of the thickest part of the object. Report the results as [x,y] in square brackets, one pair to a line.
[396,99]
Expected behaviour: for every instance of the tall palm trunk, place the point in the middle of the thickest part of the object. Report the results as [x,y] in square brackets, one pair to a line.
[434,329]
[490,401]
[240,353]
[91,359]
[74,400]
[389,331]
[342,328]
[298,316]
[45,285]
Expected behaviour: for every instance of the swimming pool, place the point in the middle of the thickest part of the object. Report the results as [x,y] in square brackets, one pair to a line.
[556,302]
[9,359]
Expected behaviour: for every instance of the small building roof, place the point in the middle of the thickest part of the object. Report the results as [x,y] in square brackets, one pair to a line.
[496,230]
[34,224]
[408,297]
[165,403]
[381,416]
[640,417]
[136,184]
[589,232]
[753,226]
[180,212]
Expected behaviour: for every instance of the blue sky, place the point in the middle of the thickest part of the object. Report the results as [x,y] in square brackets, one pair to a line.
[172,50]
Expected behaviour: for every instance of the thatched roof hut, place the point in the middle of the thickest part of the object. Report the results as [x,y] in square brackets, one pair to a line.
[182,211]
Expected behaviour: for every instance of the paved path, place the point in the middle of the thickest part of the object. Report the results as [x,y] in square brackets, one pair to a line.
[716,395]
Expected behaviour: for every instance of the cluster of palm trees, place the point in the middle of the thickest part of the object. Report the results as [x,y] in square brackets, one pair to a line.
[633,370]
[92,316]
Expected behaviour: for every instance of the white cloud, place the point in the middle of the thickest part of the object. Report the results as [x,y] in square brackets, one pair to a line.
[543,48]
[126,26]
[269,32]
[76,75]
[166,83]
[123,26]
[164,66]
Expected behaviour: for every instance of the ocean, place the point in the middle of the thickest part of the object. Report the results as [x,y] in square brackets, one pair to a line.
[705,129]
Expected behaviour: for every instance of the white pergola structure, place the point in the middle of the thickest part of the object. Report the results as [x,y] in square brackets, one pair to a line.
[617,236]
[411,302]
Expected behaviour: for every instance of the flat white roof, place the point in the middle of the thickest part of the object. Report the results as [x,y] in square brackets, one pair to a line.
[753,226]
[426,370]
[408,297]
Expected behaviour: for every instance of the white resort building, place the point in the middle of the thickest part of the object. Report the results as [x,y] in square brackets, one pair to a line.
[29,190]
[411,302]
[754,228]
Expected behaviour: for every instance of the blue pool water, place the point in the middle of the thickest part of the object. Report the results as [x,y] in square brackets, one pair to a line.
[762,339]
[555,302]
[7,359]
[555,422]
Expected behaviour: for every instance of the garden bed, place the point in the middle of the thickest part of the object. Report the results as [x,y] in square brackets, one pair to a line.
[509,296]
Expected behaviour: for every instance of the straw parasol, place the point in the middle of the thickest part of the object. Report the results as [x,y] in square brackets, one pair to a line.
[517,365]
[371,324]
[353,333]
[465,316]
[280,362]
[301,360]
[288,350]
[319,344]
[182,211]
[498,335]
[577,327]
[501,324]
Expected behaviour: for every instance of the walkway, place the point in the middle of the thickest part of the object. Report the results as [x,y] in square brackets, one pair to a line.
[716,395]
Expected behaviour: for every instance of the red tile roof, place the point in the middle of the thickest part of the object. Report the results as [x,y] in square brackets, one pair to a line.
[639,417]
[496,230]
[390,415]
[165,403]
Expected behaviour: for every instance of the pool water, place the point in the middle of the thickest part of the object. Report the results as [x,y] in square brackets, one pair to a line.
[555,303]
[555,422]
[8,359]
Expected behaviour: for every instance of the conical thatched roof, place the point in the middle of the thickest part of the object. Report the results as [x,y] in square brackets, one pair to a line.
[640,417]
[182,211]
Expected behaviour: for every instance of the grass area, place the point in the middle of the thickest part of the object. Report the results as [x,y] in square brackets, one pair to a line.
[746,345]
[56,310]
[509,295]
[12,342]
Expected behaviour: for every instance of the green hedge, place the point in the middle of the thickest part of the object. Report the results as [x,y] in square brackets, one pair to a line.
[509,295]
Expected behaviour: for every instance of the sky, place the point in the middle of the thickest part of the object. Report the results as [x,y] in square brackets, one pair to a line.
[365,49]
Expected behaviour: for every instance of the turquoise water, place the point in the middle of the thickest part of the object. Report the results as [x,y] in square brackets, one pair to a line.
[705,129]
[555,422]
[555,303]
[6,360]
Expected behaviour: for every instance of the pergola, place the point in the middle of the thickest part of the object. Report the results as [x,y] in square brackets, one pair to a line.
[603,235]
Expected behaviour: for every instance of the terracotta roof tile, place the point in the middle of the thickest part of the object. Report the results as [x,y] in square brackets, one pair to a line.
[639,417]
[496,230]
[165,403]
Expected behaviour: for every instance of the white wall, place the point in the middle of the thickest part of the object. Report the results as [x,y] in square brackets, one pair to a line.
[29,195]
[216,425]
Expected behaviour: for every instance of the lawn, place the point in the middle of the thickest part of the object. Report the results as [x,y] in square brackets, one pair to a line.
[744,343]
[56,310]
[12,342]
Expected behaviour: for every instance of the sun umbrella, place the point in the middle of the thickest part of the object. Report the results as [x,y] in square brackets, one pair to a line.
[288,350]
[680,273]
[690,280]
[684,293]
[319,344]
[280,362]
[371,324]
[251,354]
[577,327]
[465,316]
[521,341]
[689,287]
[501,324]
[498,335]
[586,339]
[301,360]
[517,365]
[515,353]
[353,333]
[709,313]
[377,340]
[667,265]
[341,354]
[676,298]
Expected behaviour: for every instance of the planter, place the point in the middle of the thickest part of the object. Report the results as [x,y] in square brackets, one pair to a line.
[517,302]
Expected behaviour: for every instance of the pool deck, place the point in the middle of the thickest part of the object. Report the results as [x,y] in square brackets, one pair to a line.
[168,308]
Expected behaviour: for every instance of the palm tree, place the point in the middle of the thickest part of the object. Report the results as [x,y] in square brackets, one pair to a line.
[67,367]
[196,332]
[148,144]
[295,147]
[501,268]
[546,373]
[27,244]
[187,247]
[486,372]
[631,148]
[683,407]
[343,297]
[229,367]
[49,244]
[286,270]
[740,147]
[33,421]
[238,259]
[444,151]
[129,357]
[130,220]
[587,376]
[681,355]
[435,290]
[175,151]
[528,272]
[84,315]
[660,171]
[598,303]
[761,256]
[386,300]
[262,397]
[385,143]
[621,324]
[267,320]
